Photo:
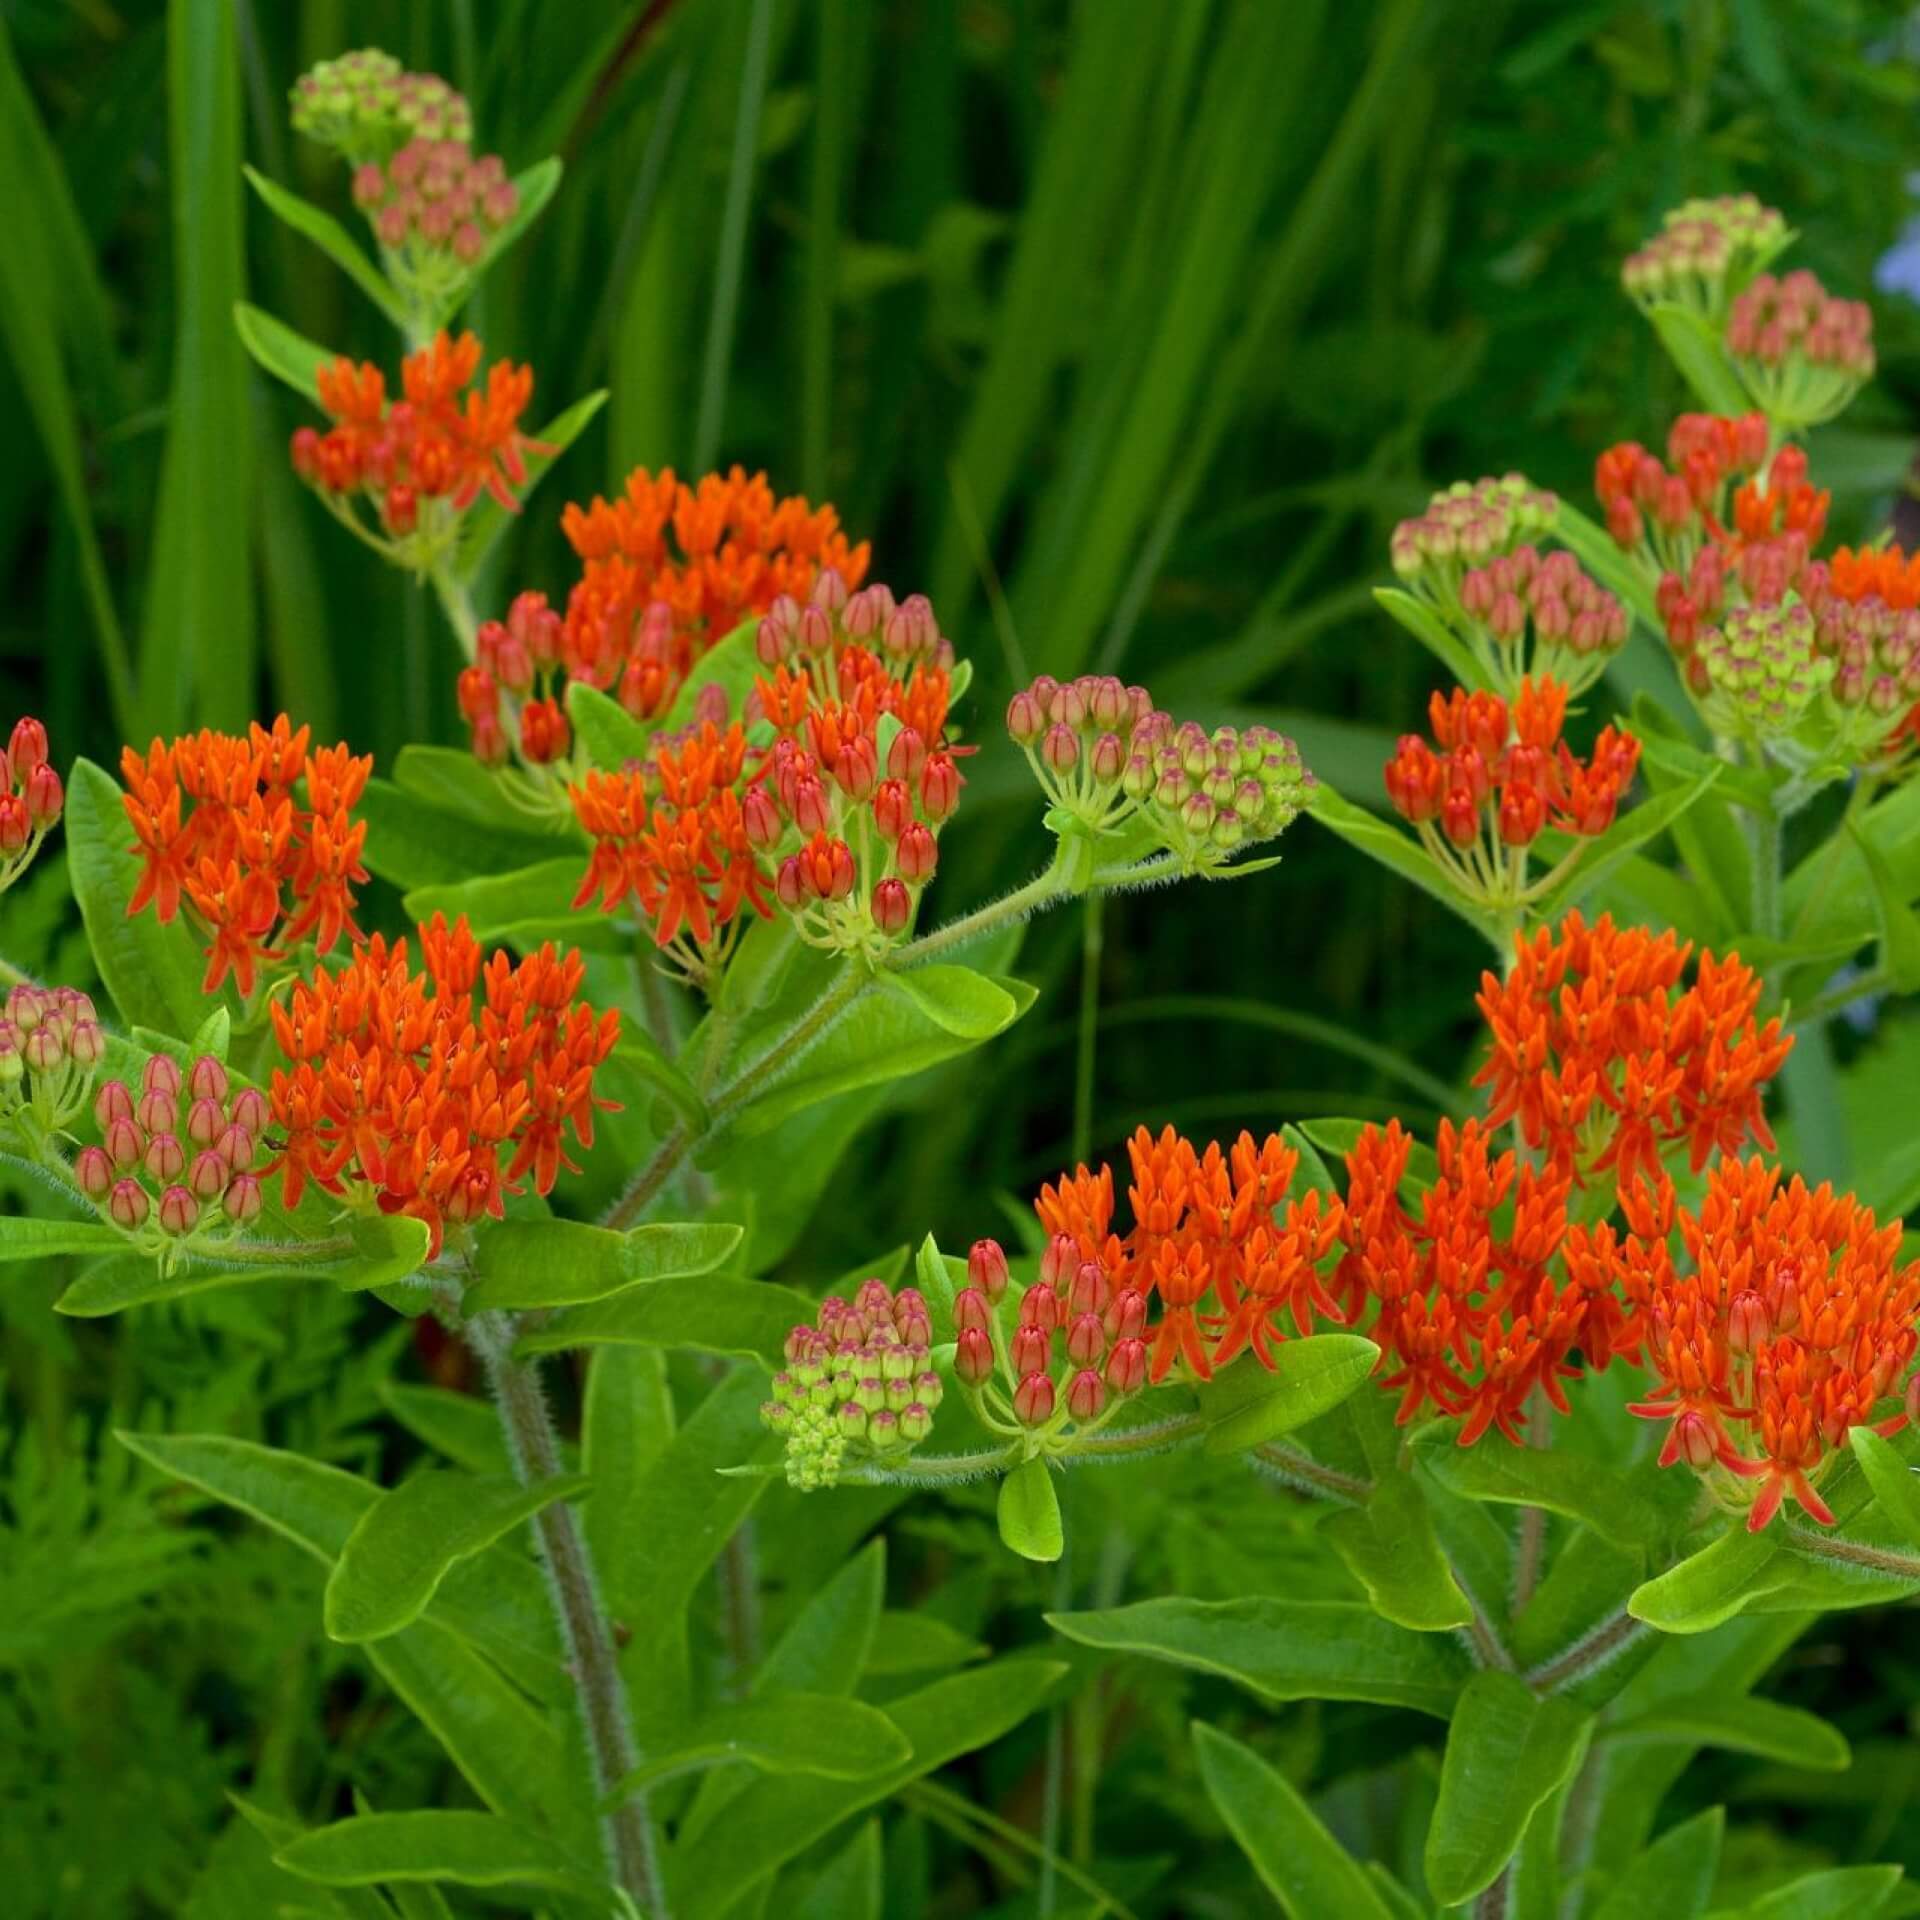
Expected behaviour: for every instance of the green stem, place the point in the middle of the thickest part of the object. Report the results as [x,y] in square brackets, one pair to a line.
[1837,999]
[626,1829]
[1092,944]
[1765,835]
[1591,1650]
[456,601]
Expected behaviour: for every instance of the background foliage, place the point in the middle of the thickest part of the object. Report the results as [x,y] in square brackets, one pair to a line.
[1125,330]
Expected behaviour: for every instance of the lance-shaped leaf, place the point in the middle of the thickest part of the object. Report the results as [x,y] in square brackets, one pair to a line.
[1029,1512]
[1508,1751]
[1390,1547]
[1600,855]
[28,1237]
[817,1733]
[289,356]
[702,1313]
[956,999]
[1739,1723]
[560,1263]
[607,733]
[522,908]
[1300,1863]
[1381,841]
[1711,1586]
[1248,1405]
[1896,1489]
[1673,1879]
[333,240]
[1840,1893]
[410,1539]
[1899,926]
[1284,1649]
[465,1849]
[1696,348]
[1434,634]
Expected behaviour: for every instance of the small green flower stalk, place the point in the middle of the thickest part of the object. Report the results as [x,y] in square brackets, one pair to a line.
[1705,254]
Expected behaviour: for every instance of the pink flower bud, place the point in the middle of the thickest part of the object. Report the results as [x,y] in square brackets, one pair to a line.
[1086,1340]
[44,798]
[1692,1441]
[242,1200]
[205,1122]
[973,1357]
[1059,1260]
[1040,1307]
[157,1112]
[15,828]
[1127,1366]
[940,788]
[857,770]
[249,1110]
[892,809]
[165,1157]
[113,1102]
[26,747]
[127,1205]
[987,1269]
[93,1172]
[208,1176]
[829,590]
[1089,1292]
[1126,1317]
[1747,1324]
[907,757]
[1060,749]
[760,819]
[1025,720]
[971,1308]
[1033,1400]
[916,855]
[892,907]
[1108,760]
[161,1075]
[126,1145]
[812,811]
[43,1049]
[1086,1395]
[813,630]
[87,1045]
[369,186]
[179,1212]
[1032,1349]
[789,884]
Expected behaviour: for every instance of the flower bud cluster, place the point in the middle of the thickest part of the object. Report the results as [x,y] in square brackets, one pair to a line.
[1061,1358]
[1670,509]
[859,1385]
[366,106]
[1104,753]
[1762,671]
[513,684]
[51,1045]
[1469,524]
[1545,616]
[1501,775]
[1804,353]
[1706,249]
[31,798]
[175,1159]
[434,198]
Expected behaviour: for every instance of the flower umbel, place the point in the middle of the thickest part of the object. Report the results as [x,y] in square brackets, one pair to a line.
[366,106]
[1705,252]
[32,798]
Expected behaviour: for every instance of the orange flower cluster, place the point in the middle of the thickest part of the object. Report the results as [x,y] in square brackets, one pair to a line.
[1502,776]
[446,440]
[223,828]
[1466,1312]
[722,816]
[1604,1060]
[1790,1323]
[406,1089]
[1206,1232]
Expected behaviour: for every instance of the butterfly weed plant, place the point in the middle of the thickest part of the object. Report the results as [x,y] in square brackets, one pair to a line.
[1575,1408]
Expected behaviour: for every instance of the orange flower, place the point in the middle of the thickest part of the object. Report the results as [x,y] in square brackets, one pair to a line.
[218,826]
[1604,1060]
[402,1089]
[1791,1324]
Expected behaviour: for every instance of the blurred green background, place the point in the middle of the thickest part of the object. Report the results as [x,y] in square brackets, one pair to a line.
[1125,329]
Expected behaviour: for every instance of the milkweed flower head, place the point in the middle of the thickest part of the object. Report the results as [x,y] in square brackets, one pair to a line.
[438,210]
[1106,757]
[859,1386]
[175,1161]
[32,798]
[826,799]
[1705,252]
[1759,672]
[1495,776]
[1464,527]
[1531,615]
[434,1093]
[1802,352]
[1787,1322]
[253,837]
[1605,1055]
[365,105]
[1866,623]
[51,1046]
[421,461]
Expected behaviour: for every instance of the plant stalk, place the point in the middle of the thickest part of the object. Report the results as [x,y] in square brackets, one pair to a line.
[627,1829]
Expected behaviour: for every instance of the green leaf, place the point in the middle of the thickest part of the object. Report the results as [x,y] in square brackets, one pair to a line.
[1249,1405]
[418,842]
[1508,1750]
[25,1237]
[1426,626]
[560,1263]
[731,664]
[333,240]
[1673,1879]
[1895,1489]
[881,1036]
[451,780]
[1284,1649]
[919,1643]
[1713,1585]
[777,1818]
[1029,1511]
[153,972]
[487,519]
[290,357]
[523,908]
[1604,853]
[1387,844]
[1695,347]
[1899,926]
[607,733]
[138,1280]
[956,999]
[461,1426]
[407,1542]
[1739,1723]
[468,1849]
[787,1733]
[1840,1893]
[386,1247]
[700,1313]
[1299,1862]
[1389,1546]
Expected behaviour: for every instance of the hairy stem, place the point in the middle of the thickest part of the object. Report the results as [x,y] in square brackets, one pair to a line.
[627,1830]
[1591,1650]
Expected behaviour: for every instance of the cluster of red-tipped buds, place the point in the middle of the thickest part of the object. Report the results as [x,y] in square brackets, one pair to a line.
[51,1045]
[31,798]
[858,1387]
[1676,505]
[506,696]
[1705,251]
[1545,616]
[903,633]
[435,197]
[175,1159]
[1090,743]
[1470,523]
[1063,1357]
[1502,774]
[1803,352]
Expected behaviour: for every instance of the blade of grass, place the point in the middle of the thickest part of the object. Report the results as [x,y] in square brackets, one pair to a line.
[197,640]
[822,271]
